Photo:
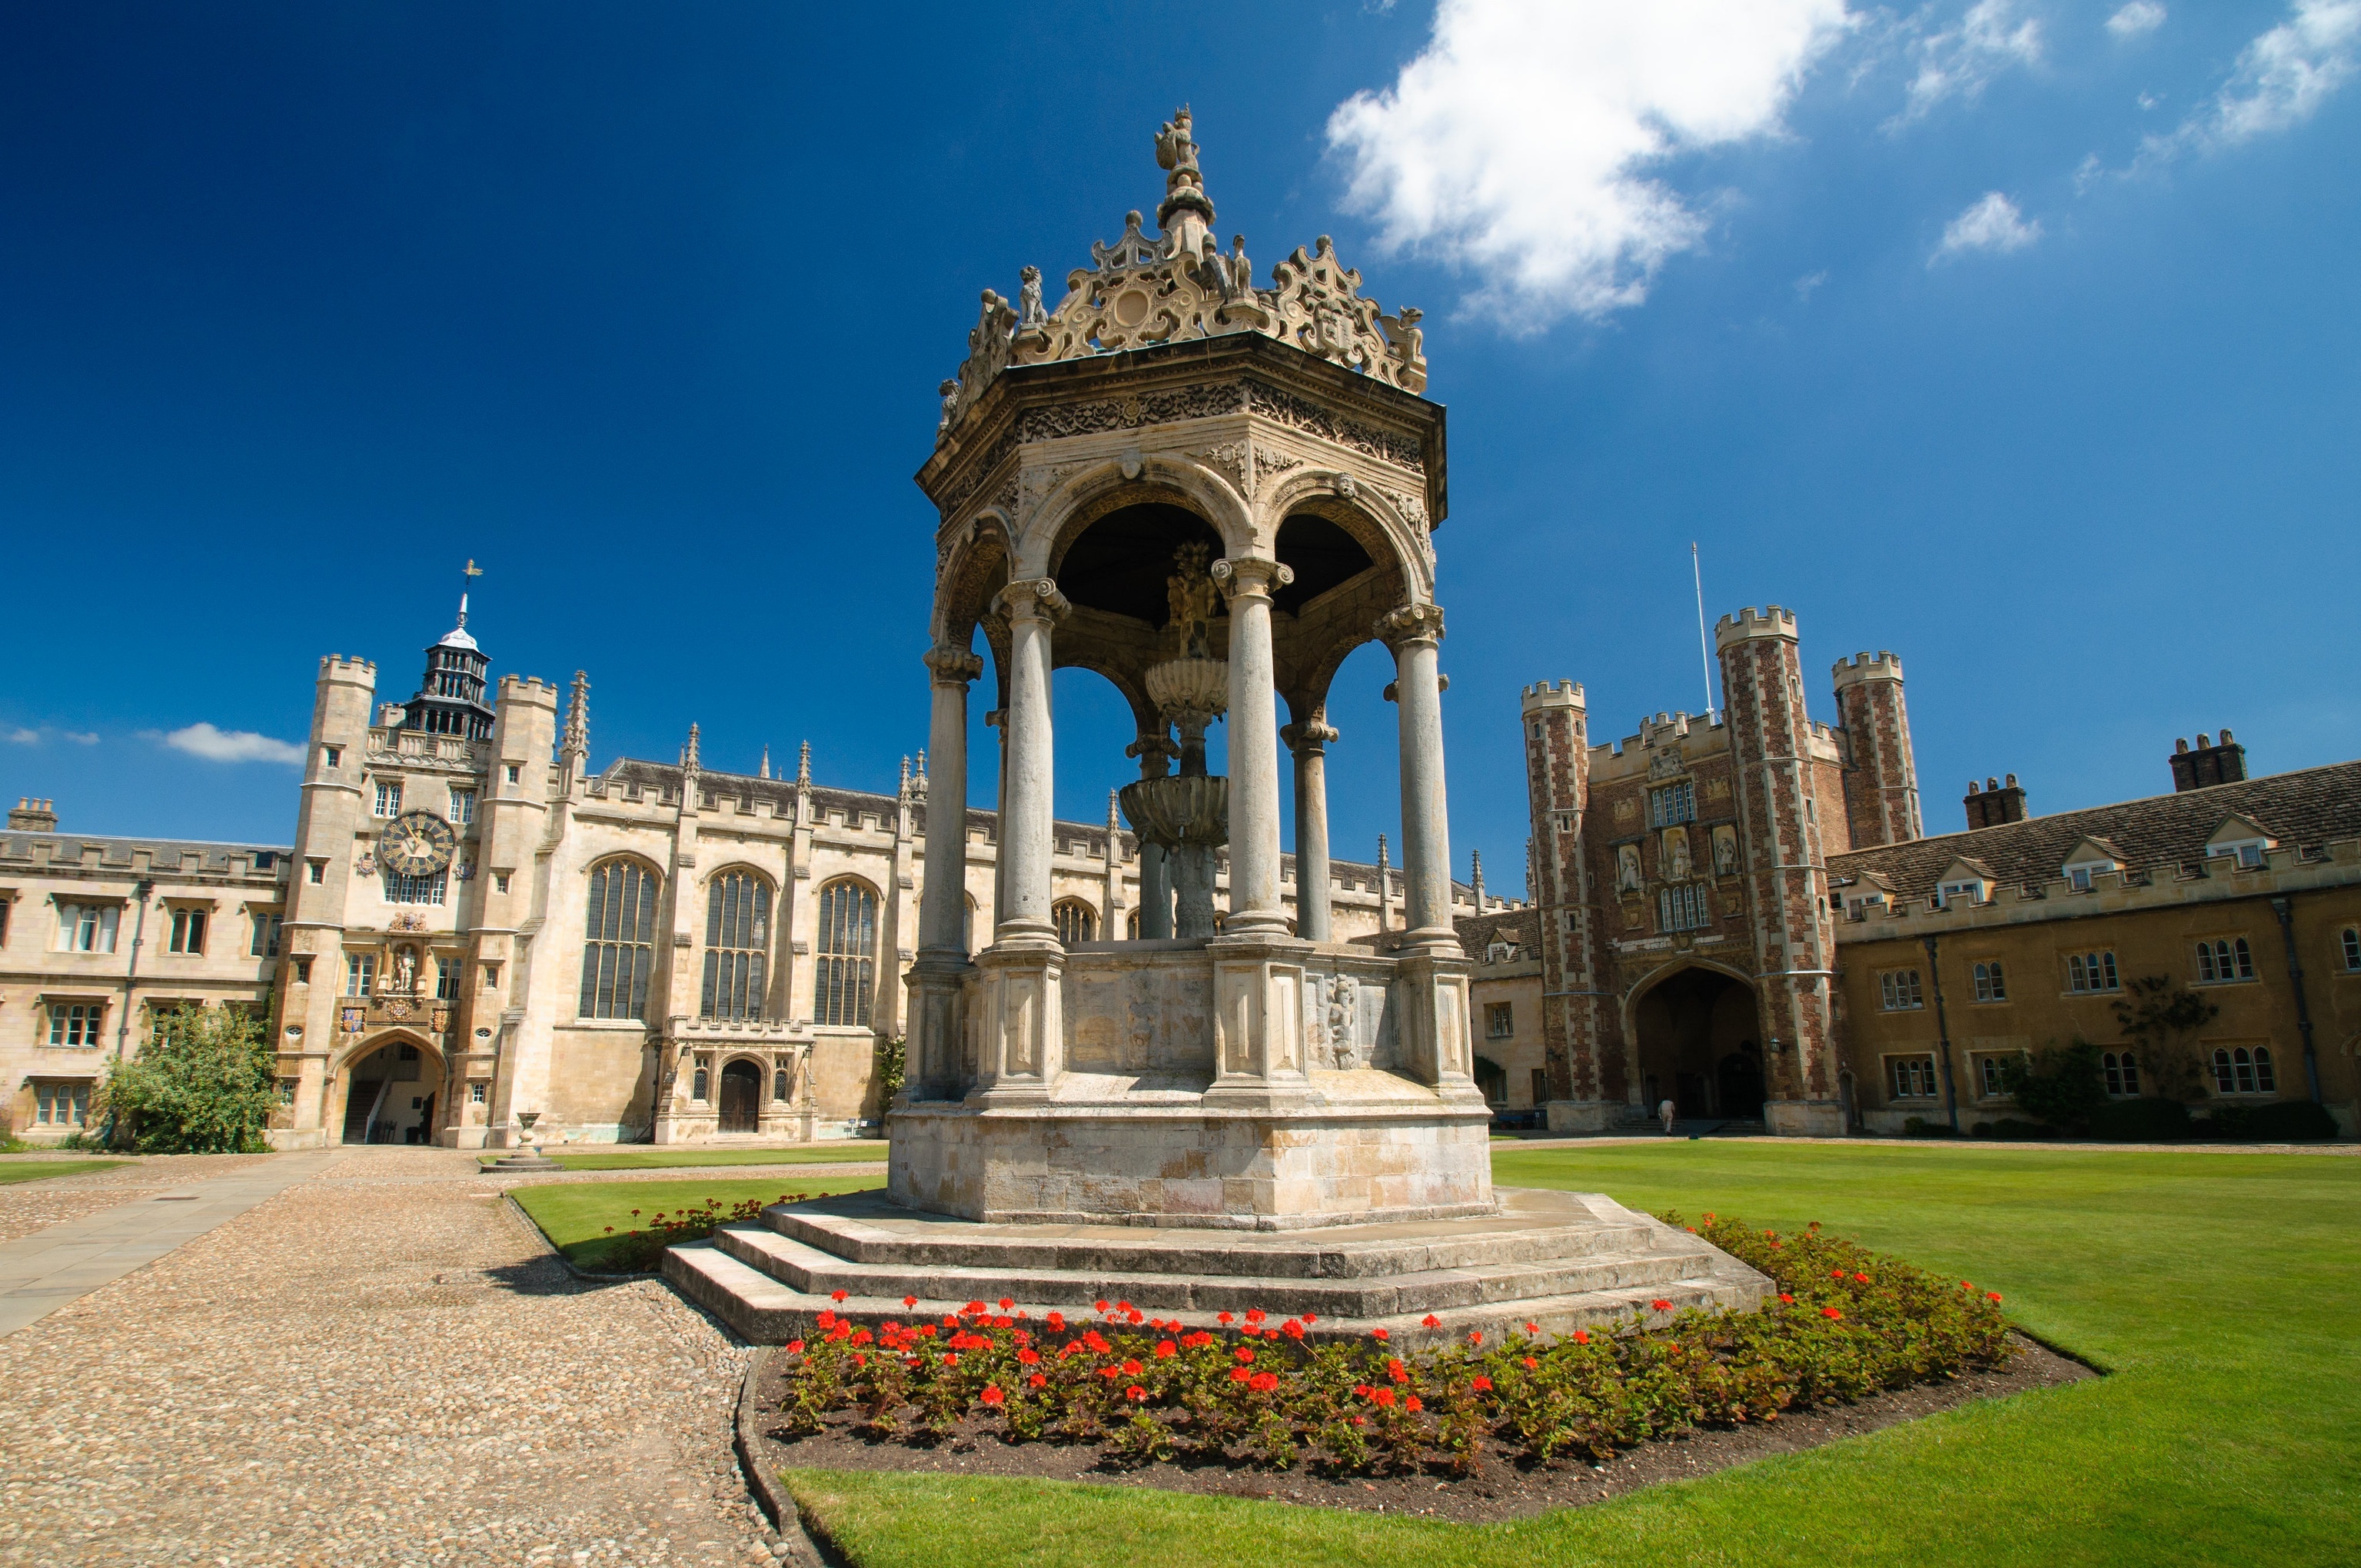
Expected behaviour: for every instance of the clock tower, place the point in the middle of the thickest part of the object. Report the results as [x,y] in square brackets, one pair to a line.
[450,700]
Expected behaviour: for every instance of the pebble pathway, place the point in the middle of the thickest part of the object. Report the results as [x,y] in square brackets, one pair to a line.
[382,1364]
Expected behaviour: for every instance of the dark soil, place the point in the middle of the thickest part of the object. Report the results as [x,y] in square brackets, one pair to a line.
[1508,1486]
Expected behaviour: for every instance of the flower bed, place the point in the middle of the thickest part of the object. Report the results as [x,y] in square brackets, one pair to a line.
[1846,1322]
[640,1250]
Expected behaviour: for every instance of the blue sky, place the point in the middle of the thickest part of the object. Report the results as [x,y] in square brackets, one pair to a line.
[2018,339]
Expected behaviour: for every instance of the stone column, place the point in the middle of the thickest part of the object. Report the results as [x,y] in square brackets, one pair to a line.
[944,902]
[1155,751]
[1254,908]
[935,979]
[1308,742]
[1415,635]
[1027,822]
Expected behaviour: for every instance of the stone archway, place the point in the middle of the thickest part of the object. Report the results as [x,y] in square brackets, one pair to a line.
[740,1099]
[393,1092]
[1699,1044]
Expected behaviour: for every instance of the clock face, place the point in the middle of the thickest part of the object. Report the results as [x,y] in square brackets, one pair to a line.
[416,843]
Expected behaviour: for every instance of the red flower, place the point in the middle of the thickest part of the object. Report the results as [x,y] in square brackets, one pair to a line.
[1482,1385]
[1384,1396]
[837,1295]
[1006,1302]
[1582,1336]
[1166,1350]
[1244,1355]
[859,1359]
[1992,1295]
[862,1338]
[1532,1365]
[1038,1381]
[1131,1369]
[1429,1321]
[1831,1314]
[1029,1357]
[1311,1317]
[794,1348]
[1133,1315]
[1379,1334]
[1965,1286]
[1223,1318]
[1476,1336]
[1660,1306]
[908,1301]
[950,1358]
[1863,1279]
[993,1395]
[1134,1393]
[1412,1405]
[1100,1306]
[826,1317]
[1123,1306]
[1836,1274]
[1263,1382]
[1785,1299]
[1239,1375]
[976,1306]
[1253,1314]
[1292,1328]
[1533,1327]
[1057,1322]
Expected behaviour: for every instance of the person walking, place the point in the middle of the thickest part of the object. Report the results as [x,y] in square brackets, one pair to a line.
[1665,1110]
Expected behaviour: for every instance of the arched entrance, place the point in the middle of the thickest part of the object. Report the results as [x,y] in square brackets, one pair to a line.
[392,1093]
[741,1097]
[1699,1045]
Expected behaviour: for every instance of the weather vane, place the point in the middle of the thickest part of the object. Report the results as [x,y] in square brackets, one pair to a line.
[465,572]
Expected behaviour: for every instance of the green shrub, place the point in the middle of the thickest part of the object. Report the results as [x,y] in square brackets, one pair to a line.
[1845,1322]
[2282,1122]
[204,1085]
[2147,1120]
[2062,1086]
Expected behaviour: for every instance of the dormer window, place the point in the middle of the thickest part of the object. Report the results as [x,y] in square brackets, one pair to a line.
[1965,893]
[2242,840]
[2079,875]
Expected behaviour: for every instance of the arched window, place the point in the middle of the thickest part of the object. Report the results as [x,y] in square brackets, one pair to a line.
[1131,926]
[737,937]
[1076,921]
[847,965]
[618,940]
[701,1084]
[2218,961]
[1991,984]
[2242,1071]
[2121,1073]
[2351,948]
[781,1082]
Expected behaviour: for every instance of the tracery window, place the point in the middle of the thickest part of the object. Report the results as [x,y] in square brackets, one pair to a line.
[737,939]
[2121,1070]
[1898,990]
[2227,960]
[618,940]
[846,968]
[2242,1071]
[1914,1077]
[1991,984]
[2092,971]
[1076,921]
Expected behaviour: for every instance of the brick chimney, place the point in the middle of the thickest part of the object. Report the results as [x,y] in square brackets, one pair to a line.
[2208,764]
[32,816]
[1995,803]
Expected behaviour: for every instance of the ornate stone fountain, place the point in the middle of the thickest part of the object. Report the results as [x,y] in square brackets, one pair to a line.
[1188,816]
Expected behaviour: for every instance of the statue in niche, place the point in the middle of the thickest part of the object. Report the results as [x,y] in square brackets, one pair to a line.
[1627,868]
[948,392]
[1189,598]
[405,968]
[1725,850]
[1344,995]
[1030,312]
[1241,269]
[1675,857]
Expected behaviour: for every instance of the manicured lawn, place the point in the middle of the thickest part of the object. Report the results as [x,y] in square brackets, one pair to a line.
[575,1216]
[42,1169]
[836,1153]
[2223,1291]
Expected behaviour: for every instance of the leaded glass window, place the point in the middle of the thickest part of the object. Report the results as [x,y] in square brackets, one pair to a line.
[737,938]
[1076,921]
[618,940]
[846,967]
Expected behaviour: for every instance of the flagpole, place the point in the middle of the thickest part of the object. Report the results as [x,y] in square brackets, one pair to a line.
[1705,647]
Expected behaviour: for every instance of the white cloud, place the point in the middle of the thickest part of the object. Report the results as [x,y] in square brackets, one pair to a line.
[80,737]
[1959,61]
[1518,145]
[2287,73]
[22,737]
[1992,222]
[1808,285]
[232,745]
[2139,17]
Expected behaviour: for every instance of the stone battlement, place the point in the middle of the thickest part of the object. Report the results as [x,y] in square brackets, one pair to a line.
[1551,694]
[1750,623]
[530,689]
[1864,666]
[357,671]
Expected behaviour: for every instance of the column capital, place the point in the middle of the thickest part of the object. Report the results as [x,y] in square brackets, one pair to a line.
[1248,576]
[1033,599]
[1313,735]
[953,666]
[1156,753]
[1411,623]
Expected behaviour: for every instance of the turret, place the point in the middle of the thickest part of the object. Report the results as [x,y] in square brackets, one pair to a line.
[1578,1026]
[1881,784]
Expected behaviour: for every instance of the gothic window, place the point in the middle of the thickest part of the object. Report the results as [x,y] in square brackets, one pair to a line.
[1673,804]
[1898,990]
[267,927]
[2121,1070]
[618,940]
[1990,986]
[462,806]
[1131,929]
[389,798]
[701,1085]
[737,937]
[2224,960]
[2351,948]
[76,1022]
[1076,921]
[188,930]
[1914,1077]
[782,1082]
[847,964]
[87,927]
[2091,971]
[1993,1074]
[1684,909]
[2242,1071]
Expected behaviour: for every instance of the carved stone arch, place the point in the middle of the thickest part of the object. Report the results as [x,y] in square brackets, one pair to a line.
[1678,964]
[341,1061]
[1071,655]
[747,867]
[1375,520]
[1105,488]
[974,569]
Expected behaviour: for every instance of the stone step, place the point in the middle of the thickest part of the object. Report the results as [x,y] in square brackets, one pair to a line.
[946,1285]
[765,1312]
[1533,1228]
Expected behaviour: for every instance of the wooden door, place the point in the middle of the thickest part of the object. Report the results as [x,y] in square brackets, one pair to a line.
[742,1096]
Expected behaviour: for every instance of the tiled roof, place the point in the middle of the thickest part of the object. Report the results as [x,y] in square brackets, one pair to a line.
[2301,809]
[114,851]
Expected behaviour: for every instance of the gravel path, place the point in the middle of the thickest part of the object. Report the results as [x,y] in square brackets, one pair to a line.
[380,1364]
